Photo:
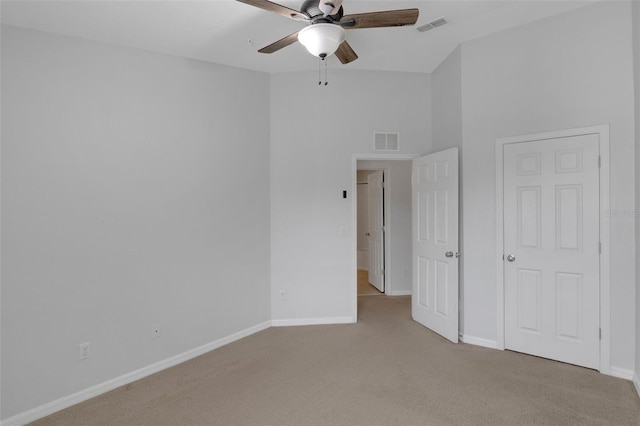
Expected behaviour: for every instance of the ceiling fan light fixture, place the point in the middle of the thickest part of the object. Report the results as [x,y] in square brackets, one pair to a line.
[322,40]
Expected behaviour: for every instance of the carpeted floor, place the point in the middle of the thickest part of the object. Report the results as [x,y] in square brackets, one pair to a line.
[384,370]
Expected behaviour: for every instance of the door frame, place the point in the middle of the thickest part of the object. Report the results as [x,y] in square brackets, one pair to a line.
[354,220]
[605,232]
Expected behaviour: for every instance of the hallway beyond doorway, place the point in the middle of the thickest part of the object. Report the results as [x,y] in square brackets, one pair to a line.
[364,288]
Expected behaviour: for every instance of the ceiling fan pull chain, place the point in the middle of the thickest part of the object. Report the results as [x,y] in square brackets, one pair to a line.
[326,79]
[320,61]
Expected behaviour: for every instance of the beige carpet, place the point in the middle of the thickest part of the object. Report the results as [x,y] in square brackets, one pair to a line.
[384,370]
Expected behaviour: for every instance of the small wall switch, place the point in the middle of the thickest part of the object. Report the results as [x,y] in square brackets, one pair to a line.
[283,295]
[343,232]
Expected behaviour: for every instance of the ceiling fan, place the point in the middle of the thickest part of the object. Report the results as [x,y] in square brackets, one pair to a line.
[325,33]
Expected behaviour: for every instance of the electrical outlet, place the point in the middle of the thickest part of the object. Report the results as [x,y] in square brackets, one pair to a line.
[155,330]
[85,350]
[283,295]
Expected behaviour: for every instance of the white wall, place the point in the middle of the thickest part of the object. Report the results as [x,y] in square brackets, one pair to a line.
[314,132]
[446,102]
[398,223]
[133,193]
[568,71]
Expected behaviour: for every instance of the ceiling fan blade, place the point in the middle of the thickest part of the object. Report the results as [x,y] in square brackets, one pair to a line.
[283,42]
[345,53]
[388,18]
[277,8]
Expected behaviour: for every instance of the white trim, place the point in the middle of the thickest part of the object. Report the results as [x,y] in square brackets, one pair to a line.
[93,391]
[621,373]
[500,243]
[383,157]
[605,232]
[311,321]
[636,383]
[478,341]
[400,293]
[354,219]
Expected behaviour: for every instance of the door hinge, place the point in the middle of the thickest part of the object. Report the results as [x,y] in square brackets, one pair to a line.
[599,161]
[600,333]
[599,247]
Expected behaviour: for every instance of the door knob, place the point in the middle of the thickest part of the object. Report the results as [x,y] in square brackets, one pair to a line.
[511,258]
[368,234]
[449,254]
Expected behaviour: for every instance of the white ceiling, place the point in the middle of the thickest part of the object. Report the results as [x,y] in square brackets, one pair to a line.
[229,32]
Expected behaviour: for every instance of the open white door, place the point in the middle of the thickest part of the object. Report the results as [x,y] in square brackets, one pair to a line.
[434,302]
[375,182]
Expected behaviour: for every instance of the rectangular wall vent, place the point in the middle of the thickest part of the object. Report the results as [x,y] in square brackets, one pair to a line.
[386,141]
[431,25]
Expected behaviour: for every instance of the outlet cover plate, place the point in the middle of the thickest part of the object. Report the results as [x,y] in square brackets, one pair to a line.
[85,350]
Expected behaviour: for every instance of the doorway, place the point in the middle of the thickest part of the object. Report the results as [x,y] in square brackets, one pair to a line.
[397,221]
[553,286]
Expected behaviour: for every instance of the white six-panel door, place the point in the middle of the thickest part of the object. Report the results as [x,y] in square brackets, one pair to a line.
[434,302]
[375,182]
[551,248]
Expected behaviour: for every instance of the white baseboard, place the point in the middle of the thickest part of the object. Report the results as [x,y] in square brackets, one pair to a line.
[311,321]
[636,383]
[479,341]
[621,373]
[492,344]
[399,293]
[93,391]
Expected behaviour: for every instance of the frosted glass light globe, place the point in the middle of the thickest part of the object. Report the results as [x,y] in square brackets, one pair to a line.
[322,40]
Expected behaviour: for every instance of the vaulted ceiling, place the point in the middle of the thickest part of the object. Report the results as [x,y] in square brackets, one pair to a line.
[229,32]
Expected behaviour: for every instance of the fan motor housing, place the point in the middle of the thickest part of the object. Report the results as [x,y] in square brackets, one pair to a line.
[310,7]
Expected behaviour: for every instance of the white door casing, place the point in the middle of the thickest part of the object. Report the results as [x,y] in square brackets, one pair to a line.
[375,182]
[551,248]
[434,301]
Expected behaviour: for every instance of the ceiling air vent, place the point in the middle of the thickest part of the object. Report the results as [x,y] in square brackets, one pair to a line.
[386,141]
[431,25]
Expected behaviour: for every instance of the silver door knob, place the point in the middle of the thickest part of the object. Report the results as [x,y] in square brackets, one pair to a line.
[511,258]
[449,254]
[368,234]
